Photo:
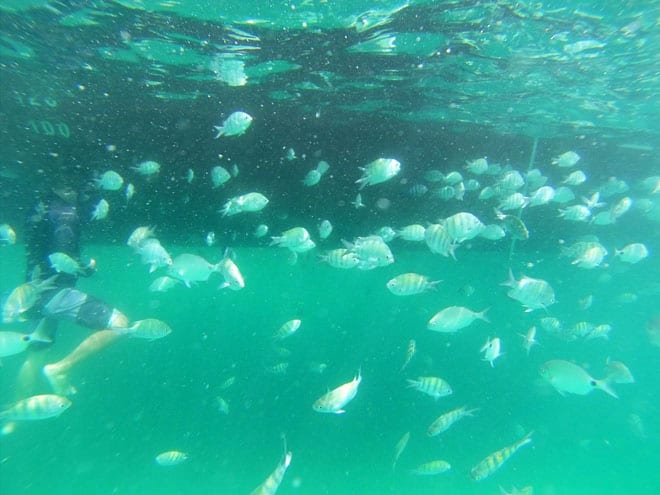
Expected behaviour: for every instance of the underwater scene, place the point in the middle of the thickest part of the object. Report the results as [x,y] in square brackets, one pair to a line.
[326,247]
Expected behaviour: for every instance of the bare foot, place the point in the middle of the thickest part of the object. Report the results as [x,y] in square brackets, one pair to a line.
[59,382]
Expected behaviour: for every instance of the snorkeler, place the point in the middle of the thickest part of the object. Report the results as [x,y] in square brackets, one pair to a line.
[55,228]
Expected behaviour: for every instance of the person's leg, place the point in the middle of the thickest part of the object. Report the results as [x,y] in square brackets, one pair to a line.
[56,228]
[89,312]
[57,373]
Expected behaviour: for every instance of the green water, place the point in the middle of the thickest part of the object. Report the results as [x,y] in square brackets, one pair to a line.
[87,87]
[139,398]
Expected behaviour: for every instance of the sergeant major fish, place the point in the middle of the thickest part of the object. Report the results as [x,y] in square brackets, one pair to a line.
[23,297]
[234,125]
[287,329]
[532,293]
[149,329]
[63,263]
[101,210]
[431,468]
[109,181]
[36,408]
[495,460]
[154,254]
[410,353]
[378,171]
[432,386]
[272,483]
[249,202]
[171,458]
[148,167]
[335,400]
[445,421]
[491,350]
[408,284]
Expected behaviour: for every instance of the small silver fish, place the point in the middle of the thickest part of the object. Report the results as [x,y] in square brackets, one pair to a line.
[234,125]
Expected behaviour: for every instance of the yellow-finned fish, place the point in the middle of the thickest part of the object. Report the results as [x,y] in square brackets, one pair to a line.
[272,483]
[495,460]
[412,349]
[36,408]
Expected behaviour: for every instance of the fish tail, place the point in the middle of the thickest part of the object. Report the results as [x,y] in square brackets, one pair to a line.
[452,251]
[525,440]
[6,427]
[606,386]
[511,282]
[482,315]
[43,333]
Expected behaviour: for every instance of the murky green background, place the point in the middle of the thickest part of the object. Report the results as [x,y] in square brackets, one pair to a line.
[91,86]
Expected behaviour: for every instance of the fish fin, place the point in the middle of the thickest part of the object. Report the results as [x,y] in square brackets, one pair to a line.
[452,251]
[7,427]
[340,411]
[44,332]
[152,268]
[220,131]
[229,254]
[606,387]
[482,315]
[223,285]
[275,240]
[511,282]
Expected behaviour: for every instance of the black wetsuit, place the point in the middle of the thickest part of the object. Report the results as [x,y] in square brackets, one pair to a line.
[55,227]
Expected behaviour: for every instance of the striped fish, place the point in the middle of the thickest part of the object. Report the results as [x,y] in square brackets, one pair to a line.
[334,400]
[433,386]
[446,420]
[149,329]
[432,467]
[414,233]
[463,227]
[495,460]
[340,258]
[287,329]
[412,349]
[36,408]
[272,483]
[438,240]
[171,458]
[408,284]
